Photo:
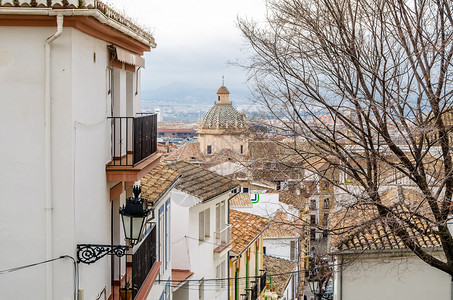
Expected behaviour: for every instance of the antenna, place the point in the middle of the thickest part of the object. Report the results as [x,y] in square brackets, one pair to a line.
[223,80]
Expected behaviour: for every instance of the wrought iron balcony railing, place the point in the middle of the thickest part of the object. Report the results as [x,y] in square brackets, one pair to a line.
[133,139]
[143,260]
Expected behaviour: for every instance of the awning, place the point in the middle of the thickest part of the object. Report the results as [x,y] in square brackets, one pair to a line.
[129,57]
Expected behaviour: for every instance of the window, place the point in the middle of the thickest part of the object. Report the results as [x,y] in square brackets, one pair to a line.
[326,218]
[220,222]
[167,233]
[313,204]
[218,98]
[220,274]
[264,249]
[326,203]
[245,189]
[209,150]
[292,250]
[161,238]
[312,219]
[204,224]
[312,234]
[242,149]
[326,185]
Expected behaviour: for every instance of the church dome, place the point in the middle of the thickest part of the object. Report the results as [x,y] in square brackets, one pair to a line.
[223,116]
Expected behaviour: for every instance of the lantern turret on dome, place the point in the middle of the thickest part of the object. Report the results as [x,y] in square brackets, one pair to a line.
[223,127]
[223,95]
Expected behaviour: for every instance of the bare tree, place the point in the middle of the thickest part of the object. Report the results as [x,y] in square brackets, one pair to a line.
[365,86]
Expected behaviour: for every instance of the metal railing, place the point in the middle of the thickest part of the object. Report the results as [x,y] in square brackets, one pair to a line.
[143,260]
[224,235]
[262,281]
[133,139]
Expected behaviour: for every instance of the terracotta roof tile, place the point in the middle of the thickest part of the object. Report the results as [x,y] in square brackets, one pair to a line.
[292,198]
[281,227]
[187,152]
[240,201]
[200,182]
[275,265]
[361,228]
[157,182]
[245,227]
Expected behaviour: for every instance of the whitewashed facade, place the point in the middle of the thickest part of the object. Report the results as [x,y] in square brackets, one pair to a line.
[194,240]
[55,103]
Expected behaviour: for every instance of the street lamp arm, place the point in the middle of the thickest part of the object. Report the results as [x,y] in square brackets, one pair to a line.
[90,253]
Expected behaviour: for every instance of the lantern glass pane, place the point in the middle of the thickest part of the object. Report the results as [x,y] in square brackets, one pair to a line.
[137,227]
[127,226]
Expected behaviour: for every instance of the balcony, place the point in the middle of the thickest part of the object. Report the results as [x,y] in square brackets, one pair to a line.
[223,239]
[257,287]
[133,147]
[144,266]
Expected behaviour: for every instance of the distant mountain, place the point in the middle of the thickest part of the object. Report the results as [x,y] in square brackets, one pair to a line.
[181,93]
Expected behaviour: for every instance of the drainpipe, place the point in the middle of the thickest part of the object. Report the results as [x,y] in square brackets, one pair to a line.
[48,156]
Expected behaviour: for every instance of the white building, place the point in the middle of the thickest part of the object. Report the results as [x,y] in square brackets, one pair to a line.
[200,233]
[156,189]
[372,262]
[67,167]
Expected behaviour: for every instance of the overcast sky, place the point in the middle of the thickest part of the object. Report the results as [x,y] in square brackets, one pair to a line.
[195,40]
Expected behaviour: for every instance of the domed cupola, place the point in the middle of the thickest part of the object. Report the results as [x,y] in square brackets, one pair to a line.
[223,114]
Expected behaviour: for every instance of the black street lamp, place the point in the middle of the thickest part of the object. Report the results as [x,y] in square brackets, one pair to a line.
[133,215]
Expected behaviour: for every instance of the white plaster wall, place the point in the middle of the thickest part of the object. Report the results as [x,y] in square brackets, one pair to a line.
[187,251]
[384,277]
[288,293]
[22,180]
[268,205]
[279,247]
[81,207]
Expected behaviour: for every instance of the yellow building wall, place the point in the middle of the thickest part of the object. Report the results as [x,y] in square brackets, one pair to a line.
[254,253]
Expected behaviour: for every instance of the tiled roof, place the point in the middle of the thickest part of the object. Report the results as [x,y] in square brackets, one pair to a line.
[240,201]
[157,182]
[361,228]
[224,155]
[187,152]
[223,116]
[83,5]
[281,227]
[200,182]
[292,198]
[244,228]
[275,265]
[223,90]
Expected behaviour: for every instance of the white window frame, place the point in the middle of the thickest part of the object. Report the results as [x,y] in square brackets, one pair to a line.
[204,224]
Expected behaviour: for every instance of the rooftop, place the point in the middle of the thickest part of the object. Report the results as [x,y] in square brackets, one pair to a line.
[200,182]
[83,8]
[275,265]
[240,201]
[361,228]
[187,152]
[157,182]
[281,227]
[245,228]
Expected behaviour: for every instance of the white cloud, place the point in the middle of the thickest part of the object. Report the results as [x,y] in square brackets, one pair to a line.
[195,39]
